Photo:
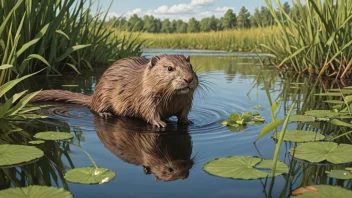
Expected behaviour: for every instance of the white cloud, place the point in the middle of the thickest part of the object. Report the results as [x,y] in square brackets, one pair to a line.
[223,9]
[175,9]
[201,2]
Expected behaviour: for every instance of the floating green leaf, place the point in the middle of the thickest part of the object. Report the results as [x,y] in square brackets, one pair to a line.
[300,136]
[339,174]
[242,167]
[18,154]
[89,175]
[325,191]
[53,135]
[340,123]
[35,191]
[323,113]
[320,151]
[36,142]
[301,118]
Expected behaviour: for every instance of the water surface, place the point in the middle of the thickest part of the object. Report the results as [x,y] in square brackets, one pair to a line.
[234,83]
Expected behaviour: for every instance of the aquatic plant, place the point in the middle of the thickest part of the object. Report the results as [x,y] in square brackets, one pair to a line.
[318,43]
[16,106]
[57,34]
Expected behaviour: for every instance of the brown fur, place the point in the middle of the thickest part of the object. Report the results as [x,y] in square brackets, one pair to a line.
[138,87]
[167,156]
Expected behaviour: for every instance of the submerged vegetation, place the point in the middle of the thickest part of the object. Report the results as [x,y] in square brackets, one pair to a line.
[57,35]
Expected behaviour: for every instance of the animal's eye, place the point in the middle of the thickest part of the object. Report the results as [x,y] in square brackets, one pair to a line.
[170,170]
[170,68]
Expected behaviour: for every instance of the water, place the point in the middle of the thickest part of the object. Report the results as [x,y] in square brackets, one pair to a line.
[234,84]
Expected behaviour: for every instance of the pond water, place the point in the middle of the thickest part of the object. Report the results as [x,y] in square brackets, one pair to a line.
[234,83]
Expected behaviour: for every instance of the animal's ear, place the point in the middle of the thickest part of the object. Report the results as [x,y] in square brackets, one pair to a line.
[146,170]
[188,58]
[153,61]
[157,178]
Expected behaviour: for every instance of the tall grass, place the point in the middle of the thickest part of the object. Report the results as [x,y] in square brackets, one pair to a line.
[319,42]
[58,34]
[230,40]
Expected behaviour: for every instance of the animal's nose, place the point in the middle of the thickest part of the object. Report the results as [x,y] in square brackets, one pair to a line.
[188,78]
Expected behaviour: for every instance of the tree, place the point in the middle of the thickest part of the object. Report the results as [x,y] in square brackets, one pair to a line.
[287,7]
[266,17]
[181,27]
[165,26]
[135,23]
[149,23]
[193,25]
[229,20]
[255,18]
[243,18]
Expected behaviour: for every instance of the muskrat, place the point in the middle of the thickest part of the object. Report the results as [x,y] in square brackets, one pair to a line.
[153,90]
[166,155]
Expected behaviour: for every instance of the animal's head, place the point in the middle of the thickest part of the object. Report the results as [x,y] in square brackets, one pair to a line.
[173,73]
[171,170]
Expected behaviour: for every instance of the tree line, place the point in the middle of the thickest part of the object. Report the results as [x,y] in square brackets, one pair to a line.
[244,19]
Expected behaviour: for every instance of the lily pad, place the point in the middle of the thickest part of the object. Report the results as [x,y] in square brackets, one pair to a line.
[301,118]
[36,142]
[339,174]
[320,151]
[53,135]
[36,191]
[300,136]
[322,191]
[89,175]
[323,113]
[243,167]
[17,154]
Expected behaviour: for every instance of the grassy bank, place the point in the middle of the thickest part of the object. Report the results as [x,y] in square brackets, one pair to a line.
[319,43]
[60,35]
[230,40]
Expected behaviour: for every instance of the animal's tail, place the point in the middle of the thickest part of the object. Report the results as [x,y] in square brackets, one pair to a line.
[62,96]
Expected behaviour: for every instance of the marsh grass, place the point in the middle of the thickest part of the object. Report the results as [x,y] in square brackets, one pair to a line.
[243,40]
[61,35]
[318,43]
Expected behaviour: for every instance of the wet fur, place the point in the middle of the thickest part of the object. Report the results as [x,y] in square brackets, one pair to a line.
[156,152]
[139,87]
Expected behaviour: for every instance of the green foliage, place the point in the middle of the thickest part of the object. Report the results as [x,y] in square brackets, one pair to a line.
[36,191]
[16,107]
[243,167]
[316,39]
[11,155]
[321,151]
[53,135]
[237,121]
[243,18]
[90,175]
[56,34]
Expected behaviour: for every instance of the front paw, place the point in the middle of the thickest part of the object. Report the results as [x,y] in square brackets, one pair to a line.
[158,123]
[185,122]
[105,115]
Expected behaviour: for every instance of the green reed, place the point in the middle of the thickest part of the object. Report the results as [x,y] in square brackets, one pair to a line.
[60,35]
[319,42]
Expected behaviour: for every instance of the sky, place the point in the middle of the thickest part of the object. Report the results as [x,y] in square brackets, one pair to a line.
[179,9]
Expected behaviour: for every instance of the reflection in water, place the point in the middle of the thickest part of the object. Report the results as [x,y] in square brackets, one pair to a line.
[166,155]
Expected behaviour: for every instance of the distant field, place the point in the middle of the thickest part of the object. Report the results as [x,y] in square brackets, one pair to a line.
[232,40]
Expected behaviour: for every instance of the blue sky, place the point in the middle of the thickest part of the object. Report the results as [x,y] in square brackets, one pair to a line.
[180,9]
